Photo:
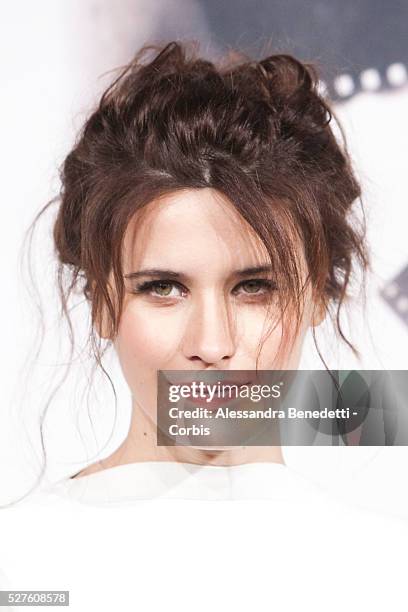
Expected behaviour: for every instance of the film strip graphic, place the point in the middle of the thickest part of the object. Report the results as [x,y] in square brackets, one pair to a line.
[374,80]
[395,293]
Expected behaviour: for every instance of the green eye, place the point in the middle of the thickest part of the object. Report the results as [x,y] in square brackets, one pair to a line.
[163,288]
[160,289]
[256,286]
[253,286]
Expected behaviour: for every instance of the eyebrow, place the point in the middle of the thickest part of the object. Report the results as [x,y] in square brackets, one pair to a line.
[162,273]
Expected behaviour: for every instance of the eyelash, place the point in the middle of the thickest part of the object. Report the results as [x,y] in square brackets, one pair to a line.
[144,288]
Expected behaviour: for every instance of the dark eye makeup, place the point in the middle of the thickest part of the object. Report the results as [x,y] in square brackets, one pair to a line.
[261,286]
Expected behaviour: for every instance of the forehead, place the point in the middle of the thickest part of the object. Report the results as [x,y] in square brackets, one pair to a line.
[192,227]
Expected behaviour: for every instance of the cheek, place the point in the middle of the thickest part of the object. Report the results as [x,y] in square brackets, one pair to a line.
[144,342]
[276,345]
[256,336]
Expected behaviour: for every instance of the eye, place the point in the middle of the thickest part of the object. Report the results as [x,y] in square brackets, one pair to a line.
[170,289]
[160,289]
[257,286]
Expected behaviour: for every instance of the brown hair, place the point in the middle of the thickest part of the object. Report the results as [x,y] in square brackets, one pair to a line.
[258,132]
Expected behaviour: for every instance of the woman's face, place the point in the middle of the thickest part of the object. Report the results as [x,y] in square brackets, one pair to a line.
[189,304]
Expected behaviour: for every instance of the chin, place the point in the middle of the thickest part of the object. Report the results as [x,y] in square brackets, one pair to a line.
[215,449]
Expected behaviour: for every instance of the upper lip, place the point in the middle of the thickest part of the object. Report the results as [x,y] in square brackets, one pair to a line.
[222,382]
[211,377]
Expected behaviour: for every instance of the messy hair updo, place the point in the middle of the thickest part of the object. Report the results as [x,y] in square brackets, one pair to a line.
[258,132]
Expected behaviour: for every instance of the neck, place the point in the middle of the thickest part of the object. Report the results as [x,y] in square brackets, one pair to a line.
[141,445]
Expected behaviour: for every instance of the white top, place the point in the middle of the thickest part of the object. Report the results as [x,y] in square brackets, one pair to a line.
[174,480]
[170,536]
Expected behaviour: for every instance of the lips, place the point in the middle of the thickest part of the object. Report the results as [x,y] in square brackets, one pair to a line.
[220,390]
[210,377]
[224,383]
[223,396]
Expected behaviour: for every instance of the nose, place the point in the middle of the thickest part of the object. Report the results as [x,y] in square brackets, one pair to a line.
[210,331]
